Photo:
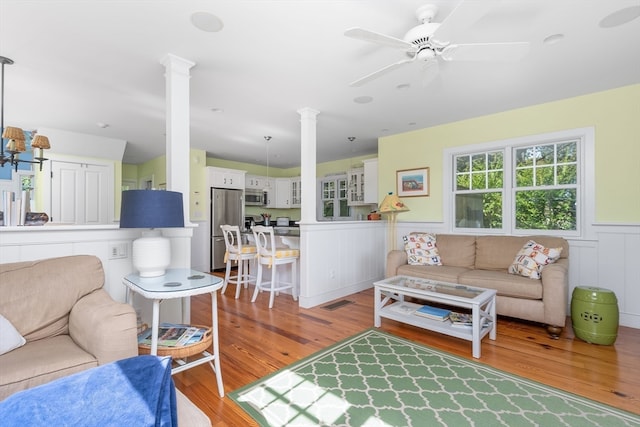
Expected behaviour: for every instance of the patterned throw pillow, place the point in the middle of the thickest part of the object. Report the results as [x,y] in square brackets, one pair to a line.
[421,249]
[532,258]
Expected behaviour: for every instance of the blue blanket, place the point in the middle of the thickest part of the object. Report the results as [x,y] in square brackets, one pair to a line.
[132,392]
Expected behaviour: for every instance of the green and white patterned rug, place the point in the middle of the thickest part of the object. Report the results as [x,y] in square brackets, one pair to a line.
[377,379]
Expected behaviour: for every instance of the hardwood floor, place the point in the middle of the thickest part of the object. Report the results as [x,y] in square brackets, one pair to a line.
[255,341]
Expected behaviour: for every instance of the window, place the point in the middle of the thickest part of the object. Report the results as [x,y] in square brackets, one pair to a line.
[532,184]
[546,186]
[334,199]
[479,187]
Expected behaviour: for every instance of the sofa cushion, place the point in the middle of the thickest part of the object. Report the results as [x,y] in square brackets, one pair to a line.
[24,285]
[532,258]
[457,250]
[39,362]
[421,249]
[497,252]
[443,273]
[10,338]
[505,284]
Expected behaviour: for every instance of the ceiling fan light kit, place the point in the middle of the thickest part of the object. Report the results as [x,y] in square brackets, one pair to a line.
[431,41]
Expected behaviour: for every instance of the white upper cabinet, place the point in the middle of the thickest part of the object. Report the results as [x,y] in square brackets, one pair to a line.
[370,181]
[355,179]
[296,192]
[226,178]
[283,193]
[255,182]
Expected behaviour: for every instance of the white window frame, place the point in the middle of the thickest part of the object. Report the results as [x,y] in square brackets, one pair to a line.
[585,210]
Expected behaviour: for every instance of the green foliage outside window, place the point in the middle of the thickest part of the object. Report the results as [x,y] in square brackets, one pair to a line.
[545,184]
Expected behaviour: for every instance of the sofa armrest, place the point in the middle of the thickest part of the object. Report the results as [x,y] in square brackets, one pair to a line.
[555,288]
[103,327]
[395,259]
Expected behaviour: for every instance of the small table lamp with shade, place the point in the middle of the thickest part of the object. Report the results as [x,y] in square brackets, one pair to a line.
[152,209]
[392,205]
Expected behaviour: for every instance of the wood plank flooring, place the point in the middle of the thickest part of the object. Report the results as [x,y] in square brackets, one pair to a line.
[255,341]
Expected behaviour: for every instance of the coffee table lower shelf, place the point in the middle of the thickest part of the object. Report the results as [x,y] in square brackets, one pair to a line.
[389,295]
[443,327]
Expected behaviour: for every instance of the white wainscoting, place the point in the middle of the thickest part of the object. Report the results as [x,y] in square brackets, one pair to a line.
[340,258]
[610,261]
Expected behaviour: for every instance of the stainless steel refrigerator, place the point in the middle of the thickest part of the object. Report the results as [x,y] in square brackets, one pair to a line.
[226,208]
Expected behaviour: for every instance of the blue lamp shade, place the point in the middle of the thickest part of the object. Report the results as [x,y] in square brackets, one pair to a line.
[151,253]
[151,209]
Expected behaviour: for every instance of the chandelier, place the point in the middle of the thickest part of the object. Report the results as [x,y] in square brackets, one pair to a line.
[10,154]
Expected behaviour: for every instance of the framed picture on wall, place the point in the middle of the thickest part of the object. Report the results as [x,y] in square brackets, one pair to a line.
[412,182]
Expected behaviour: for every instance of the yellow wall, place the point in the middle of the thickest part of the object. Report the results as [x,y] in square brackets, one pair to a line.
[615,115]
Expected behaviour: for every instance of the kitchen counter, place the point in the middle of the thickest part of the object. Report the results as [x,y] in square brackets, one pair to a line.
[281,231]
[285,236]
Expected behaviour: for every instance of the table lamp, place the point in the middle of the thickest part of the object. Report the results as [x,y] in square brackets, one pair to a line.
[152,209]
[392,205]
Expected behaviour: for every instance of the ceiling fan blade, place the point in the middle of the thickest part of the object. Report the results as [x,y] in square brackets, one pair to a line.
[381,39]
[485,51]
[465,14]
[380,72]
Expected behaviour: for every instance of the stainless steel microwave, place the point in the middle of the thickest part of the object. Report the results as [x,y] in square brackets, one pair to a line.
[254,197]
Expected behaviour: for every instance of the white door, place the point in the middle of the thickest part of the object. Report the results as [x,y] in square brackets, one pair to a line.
[79,193]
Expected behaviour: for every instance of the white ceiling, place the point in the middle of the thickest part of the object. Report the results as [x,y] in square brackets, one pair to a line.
[83,62]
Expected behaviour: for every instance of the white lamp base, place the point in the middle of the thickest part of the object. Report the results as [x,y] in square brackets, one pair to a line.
[151,254]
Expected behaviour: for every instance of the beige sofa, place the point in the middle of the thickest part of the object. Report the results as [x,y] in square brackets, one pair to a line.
[483,261]
[69,323]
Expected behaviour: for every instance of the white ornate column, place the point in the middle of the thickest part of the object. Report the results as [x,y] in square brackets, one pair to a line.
[308,164]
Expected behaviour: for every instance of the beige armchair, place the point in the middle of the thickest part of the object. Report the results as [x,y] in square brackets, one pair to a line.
[68,320]
[69,323]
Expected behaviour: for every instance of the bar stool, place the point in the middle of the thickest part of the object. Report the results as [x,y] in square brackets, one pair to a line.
[272,257]
[241,254]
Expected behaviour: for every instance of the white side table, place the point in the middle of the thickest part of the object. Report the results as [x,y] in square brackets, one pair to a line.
[180,283]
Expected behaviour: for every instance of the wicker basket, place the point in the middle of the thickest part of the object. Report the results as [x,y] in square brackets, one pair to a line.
[183,351]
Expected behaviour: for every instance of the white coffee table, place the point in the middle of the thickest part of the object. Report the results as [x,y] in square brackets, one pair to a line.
[180,283]
[390,294]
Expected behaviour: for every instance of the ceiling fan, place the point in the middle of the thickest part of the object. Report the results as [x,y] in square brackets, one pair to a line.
[430,41]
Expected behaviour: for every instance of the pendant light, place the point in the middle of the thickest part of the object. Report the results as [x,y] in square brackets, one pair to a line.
[267,138]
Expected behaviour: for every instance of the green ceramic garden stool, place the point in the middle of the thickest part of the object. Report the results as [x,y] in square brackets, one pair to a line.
[594,314]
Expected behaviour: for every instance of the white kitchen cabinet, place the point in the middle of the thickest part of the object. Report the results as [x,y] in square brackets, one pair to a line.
[226,178]
[255,182]
[355,179]
[296,192]
[283,193]
[370,181]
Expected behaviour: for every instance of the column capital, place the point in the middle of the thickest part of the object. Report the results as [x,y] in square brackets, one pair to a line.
[176,63]
[307,111]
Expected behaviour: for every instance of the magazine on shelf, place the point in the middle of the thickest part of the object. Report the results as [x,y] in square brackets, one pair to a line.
[405,307]
[433,312]
[171,335]
[461,319]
